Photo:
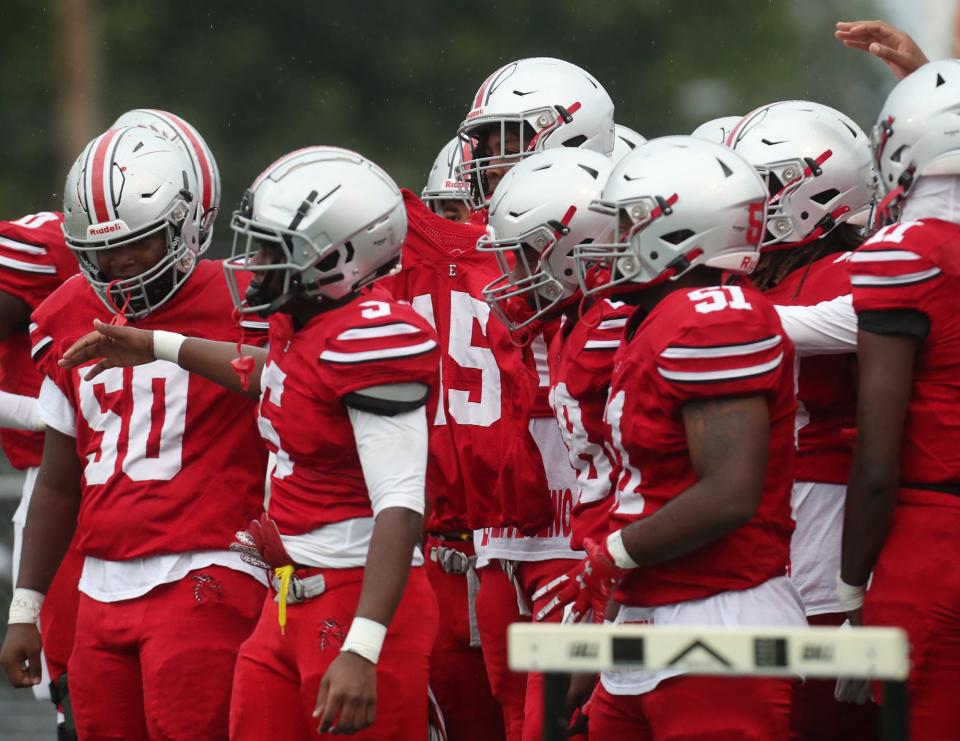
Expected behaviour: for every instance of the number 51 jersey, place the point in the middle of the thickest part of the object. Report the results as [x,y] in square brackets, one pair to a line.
[171,461]
[697,345]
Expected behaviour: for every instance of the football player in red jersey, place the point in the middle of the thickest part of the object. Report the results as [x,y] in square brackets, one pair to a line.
[444,192]
[442,277]
[164,605]
[539,213]
[903,498]
[343,393]
[522,108]
[34,261]
[701,414]
[818,167]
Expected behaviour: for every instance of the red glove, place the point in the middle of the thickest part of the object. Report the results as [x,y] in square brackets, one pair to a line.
[592,581]
[260,544]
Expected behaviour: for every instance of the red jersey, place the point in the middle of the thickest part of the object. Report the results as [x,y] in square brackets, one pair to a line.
[915,265]
[34,261]
[706,343]
[173,462]
[369,341]
[581,363]
[482,469]
[826,384]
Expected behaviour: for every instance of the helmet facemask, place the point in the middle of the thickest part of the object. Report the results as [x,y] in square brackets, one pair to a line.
[306,267]
[517,138]
[784,179]
[527,275]
[138,296]
[604,265]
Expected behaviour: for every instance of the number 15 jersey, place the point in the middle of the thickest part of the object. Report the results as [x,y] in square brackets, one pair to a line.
[696,345]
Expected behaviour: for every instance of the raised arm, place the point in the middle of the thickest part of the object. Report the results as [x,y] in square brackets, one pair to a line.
[889,44]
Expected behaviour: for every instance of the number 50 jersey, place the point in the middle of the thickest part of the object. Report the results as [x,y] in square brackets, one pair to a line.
[171,462]
[696,345]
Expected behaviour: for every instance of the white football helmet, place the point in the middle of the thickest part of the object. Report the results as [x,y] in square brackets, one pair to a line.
[625,140]
[817,164]
[544,103]
[716,129]
[539,212]
[172,127]
[336,217]
[127,184]
[679,202]
[443,182]
[917,132]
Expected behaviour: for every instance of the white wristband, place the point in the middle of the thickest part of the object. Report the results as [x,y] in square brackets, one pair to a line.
[365,638]
[849,596]
[619,551]
[25,607]
[166,345]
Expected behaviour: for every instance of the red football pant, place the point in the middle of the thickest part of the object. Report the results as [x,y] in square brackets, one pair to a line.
[278,675]
[916,586]
[520,695]
[688,707]
[458,676]
[58,614]
[533,575]
[496,609]
[160,666]
[816,714]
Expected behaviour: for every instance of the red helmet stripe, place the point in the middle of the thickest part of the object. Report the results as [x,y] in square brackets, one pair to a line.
[101,172]
[732,136]
[478,101]
[190,136]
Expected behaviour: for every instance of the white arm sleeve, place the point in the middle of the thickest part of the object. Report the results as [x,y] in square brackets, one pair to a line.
[56,410]
[393,454]
[20,412]
[827,328]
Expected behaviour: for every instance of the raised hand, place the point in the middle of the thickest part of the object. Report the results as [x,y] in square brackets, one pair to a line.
[891,45]
[116,347]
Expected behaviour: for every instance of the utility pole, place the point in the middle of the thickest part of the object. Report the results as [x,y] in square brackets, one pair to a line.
[78,66]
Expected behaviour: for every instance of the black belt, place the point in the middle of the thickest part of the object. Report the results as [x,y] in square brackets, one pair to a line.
[457,537]
[946,487]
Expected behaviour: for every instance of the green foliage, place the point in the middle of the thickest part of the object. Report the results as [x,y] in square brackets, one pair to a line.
[393,80]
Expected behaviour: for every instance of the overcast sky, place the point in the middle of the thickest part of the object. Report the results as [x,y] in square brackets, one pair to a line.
[930,22]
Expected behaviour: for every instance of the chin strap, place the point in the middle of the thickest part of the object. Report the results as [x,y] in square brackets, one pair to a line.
[243,365]
[119,318]
[883,214]
[825,225]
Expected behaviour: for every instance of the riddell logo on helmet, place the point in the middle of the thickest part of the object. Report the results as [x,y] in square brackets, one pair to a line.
[476,112]
[95,230]
[454,184]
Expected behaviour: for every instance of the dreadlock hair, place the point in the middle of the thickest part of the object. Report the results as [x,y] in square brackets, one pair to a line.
[777,265]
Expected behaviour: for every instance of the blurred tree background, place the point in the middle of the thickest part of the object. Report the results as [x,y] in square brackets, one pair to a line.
[391,80]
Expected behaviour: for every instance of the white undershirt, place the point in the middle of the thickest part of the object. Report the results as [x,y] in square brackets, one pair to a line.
[393,455]
[830,327]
